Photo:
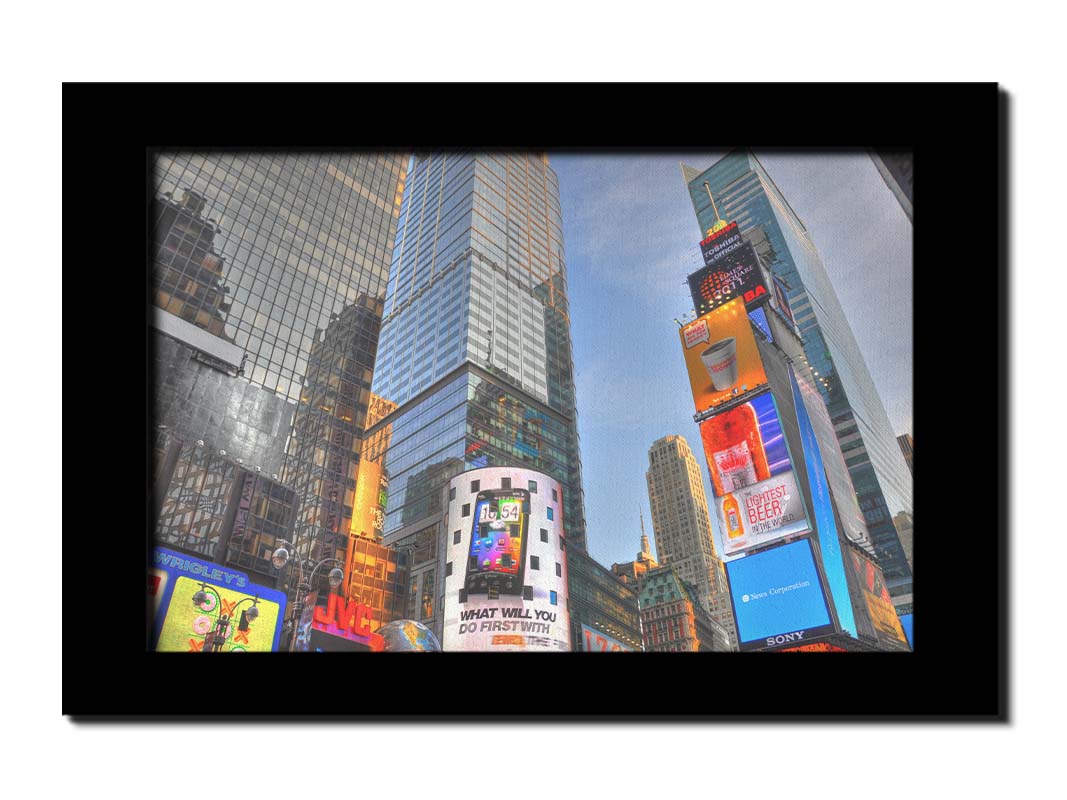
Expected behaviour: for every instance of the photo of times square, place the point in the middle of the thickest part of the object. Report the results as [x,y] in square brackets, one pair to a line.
[393,412]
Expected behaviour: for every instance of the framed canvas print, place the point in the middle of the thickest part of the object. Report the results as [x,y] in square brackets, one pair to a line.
[686,392]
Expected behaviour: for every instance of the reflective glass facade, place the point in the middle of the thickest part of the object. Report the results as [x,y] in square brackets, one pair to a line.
[209,506]
[602,602]
[745,193]
[283,258]
[475,340]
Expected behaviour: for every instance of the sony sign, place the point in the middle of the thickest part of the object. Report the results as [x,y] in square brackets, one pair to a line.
[785,638]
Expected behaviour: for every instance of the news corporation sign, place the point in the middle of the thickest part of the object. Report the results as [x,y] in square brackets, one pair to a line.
[778,598]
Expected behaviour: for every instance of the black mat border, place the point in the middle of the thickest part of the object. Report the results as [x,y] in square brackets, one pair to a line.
[959,135]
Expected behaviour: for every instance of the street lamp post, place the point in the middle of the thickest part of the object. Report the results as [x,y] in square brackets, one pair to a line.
[216,638]
[280,559]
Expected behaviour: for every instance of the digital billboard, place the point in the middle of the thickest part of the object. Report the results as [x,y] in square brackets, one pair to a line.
[759,319]
[777,597]
[594,641]
[905,624]
[719,243]
[744,445]
[732,271]
[879,603]
[721,356]
[754,489]
[218,622]
[833,560]
[505,563]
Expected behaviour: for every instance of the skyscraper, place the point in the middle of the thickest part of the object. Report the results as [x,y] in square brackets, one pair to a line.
[475,343]
[744,192]
[268,274]
[681,525]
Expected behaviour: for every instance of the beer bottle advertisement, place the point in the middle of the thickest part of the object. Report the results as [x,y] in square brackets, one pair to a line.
[755,493]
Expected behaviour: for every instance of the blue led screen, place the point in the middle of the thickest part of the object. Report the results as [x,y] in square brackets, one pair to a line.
[775,593]
[905,623]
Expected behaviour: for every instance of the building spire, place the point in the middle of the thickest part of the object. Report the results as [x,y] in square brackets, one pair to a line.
[719,224]
[644,538]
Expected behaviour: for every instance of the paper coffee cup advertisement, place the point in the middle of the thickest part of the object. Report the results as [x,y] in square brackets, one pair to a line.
[721,356]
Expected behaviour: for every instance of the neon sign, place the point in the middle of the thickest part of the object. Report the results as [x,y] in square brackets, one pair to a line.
[349,620]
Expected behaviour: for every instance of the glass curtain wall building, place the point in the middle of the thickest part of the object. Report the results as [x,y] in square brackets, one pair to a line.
[267,277]
[475,341]
[745,193]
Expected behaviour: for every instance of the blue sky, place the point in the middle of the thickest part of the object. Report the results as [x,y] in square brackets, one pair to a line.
[631,237]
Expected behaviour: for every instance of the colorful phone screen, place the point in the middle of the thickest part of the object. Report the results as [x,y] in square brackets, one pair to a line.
[496,543]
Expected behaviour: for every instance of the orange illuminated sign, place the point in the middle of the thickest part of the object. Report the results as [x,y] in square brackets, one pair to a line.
[721,355]
[879,603]
[814,647]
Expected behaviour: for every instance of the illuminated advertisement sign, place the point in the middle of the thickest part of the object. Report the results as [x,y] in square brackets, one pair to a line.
[777,597]
[883,614]
[744,445]
[756,496]
[219,620]
[760,513]
[759,319]
[505,563]
[815,647]
[345,626]
[594,641]
[833,560]
[721,356]
[368,507]
[718,244]
[733,272]
[905,624]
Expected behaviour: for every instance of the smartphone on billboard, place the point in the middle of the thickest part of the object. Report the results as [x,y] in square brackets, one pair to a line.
[496,561]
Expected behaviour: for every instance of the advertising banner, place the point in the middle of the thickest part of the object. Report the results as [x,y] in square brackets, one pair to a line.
[368,514]
[759,319]
[782,299]
[302,636]
[594,641]
[505,563]
[219,623]
[720,243]
[733,272]
[754,489]
[777,597]
[721,356]
[744,445]
[883,614]
[763,512]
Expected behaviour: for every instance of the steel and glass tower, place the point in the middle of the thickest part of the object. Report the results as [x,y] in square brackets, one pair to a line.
[744,192]
[475,341]
[267,276]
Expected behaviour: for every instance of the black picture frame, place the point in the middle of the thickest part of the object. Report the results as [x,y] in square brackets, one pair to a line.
[958,135]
